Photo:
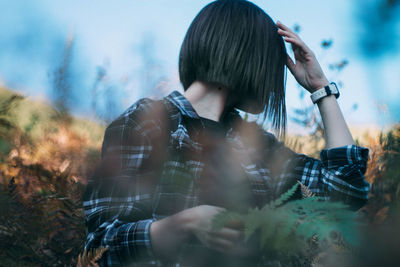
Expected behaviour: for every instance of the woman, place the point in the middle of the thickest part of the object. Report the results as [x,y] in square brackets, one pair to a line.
[169,166]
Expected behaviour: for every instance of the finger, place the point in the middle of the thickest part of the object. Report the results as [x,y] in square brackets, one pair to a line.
[228,234]
[284,27]
[221,244]
[294,41]
[299,43]
[290,64]
[235,224]
[217,208]
[286,33]
[214,210]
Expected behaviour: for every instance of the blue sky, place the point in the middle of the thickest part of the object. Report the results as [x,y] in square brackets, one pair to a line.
[116,34]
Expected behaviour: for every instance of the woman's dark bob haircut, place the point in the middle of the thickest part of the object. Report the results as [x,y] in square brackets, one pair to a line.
[234,43]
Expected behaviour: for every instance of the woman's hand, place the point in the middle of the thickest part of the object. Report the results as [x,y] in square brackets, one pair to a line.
[309,74]
[306,69]
[169,234]
[227,240]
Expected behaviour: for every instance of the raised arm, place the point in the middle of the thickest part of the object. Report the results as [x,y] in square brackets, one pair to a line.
[339,175]
[309,74]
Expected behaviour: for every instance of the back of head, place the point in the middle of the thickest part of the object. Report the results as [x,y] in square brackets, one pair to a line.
[234,43]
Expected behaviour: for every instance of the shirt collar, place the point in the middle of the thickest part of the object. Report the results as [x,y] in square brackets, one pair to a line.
[181,102]
[186,108]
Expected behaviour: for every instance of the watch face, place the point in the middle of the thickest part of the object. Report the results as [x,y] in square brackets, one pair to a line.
[336,88]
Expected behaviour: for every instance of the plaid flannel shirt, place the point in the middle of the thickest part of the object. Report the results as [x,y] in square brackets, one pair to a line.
[136,183]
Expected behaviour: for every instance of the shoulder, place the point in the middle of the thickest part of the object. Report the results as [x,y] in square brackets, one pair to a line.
[145,118]
[144,115]
[137,115]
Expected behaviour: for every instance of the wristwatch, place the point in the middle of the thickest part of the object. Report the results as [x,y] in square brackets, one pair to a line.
[330,89]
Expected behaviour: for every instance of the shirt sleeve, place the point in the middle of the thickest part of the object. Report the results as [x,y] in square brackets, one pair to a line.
[117,199]
[338,175]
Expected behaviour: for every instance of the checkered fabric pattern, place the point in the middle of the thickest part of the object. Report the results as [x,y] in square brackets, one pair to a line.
[151,159]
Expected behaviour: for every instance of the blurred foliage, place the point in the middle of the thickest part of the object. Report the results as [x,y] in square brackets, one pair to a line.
[90,258]
[381,242]
[290,231]
[384,174]
[61,82]
[44,163]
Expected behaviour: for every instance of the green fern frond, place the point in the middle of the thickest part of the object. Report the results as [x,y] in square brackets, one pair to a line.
[253,220]
[285,196]
[286,226]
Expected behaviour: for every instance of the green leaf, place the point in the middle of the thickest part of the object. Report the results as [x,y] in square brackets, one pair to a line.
[253,220]
[285,197]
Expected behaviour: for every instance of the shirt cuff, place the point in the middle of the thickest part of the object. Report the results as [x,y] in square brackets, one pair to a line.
[344,155]
[131,243]
[141,235]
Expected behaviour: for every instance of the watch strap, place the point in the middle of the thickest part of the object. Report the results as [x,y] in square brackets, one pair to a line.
[330,89]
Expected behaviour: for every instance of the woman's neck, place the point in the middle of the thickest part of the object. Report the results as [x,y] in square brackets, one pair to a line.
[208,100]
